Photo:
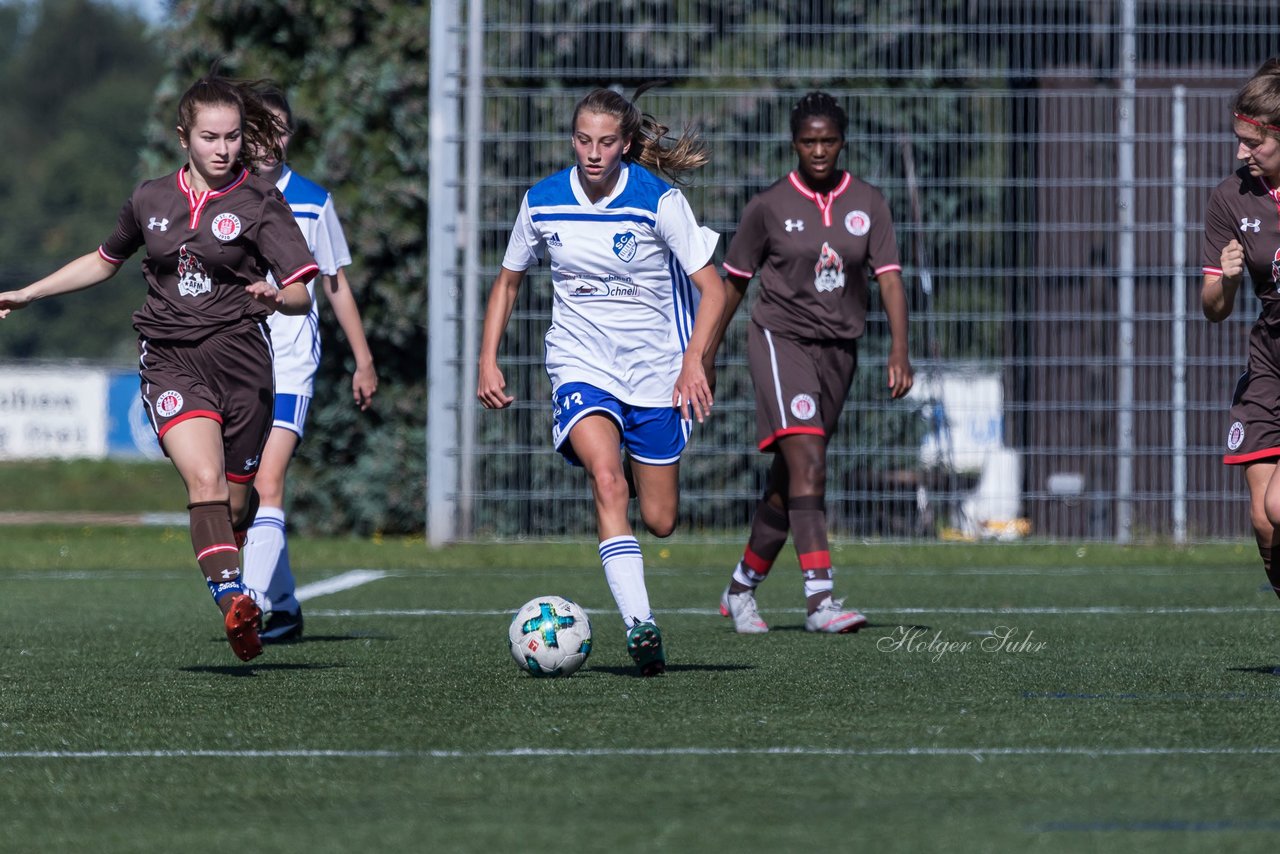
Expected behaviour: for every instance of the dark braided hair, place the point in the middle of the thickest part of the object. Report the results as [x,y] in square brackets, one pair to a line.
[818,104]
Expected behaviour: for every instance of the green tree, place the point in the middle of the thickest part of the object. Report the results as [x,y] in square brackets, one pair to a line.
[356,76]
[76,82]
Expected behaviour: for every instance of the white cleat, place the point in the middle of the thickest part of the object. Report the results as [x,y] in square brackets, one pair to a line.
[742,608]
[832,617]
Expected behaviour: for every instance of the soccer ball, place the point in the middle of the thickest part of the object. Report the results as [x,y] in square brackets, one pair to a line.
[550,636]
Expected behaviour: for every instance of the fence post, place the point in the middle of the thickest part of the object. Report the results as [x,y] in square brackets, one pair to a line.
[1178,334]
[442,292]
[1125,281]
[471,285]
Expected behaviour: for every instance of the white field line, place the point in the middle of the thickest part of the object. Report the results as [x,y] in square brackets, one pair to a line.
[658,570]
[1097,610]
[338,583]
[977,753]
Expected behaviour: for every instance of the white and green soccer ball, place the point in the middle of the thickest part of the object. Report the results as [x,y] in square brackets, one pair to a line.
[550,636]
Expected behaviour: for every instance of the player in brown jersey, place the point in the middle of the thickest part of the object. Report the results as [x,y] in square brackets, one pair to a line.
[212,231]
[812,236]
[1242,231]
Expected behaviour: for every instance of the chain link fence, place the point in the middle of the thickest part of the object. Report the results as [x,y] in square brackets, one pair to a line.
[1047,164]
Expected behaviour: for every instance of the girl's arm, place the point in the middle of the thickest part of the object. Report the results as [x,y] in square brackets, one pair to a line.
[693,392]
[364,382]
[78,275]
[491,385]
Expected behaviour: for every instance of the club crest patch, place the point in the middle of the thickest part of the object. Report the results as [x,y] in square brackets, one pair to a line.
[624,245]
[226,226]
[828,273]
[803,407]
[169,404]
[857,223]
[193,279]
[1235,436]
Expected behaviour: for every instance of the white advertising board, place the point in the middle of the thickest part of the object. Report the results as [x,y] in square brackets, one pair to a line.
[52,413]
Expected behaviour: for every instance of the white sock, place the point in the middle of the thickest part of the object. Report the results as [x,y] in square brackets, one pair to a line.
[821,585]
[624,570]
[746,576]
[267,573]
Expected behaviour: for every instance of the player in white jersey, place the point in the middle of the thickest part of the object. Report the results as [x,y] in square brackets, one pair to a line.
[296,345]
[628,348]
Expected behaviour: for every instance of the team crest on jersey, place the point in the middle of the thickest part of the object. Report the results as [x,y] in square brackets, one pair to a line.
[803,407]
[169,404]
[1275,269]
[829,271]
[226,226]
[624,245]
[193,279]
[1235,436]
[857,223]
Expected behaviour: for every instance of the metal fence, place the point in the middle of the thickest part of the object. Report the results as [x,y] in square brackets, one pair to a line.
[1047,164]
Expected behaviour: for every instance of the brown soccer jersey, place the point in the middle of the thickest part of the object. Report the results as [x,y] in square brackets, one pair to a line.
[1244,208]
[813,253]
[203,249]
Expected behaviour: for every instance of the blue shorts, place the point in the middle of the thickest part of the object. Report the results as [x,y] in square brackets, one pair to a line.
[291,412]
[653,435]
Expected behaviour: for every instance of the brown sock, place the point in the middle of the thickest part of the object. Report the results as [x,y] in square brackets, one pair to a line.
[1273,575]
[216,550]
[768,536]
[808,515]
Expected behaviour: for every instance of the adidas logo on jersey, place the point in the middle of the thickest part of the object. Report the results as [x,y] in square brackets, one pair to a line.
[554,239]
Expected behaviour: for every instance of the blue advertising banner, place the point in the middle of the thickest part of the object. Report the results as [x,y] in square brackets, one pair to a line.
[129,433]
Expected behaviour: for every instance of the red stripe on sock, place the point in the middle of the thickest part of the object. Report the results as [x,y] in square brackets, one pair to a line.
[214,549]
[755,563]
[815,560]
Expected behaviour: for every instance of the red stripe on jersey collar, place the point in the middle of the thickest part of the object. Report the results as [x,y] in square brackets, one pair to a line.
[197,202]
[824,203]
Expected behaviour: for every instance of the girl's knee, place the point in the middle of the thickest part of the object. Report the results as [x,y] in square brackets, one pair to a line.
[660,525]
[610,488]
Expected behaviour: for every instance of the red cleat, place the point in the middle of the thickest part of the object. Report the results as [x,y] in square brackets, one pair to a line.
[242,621]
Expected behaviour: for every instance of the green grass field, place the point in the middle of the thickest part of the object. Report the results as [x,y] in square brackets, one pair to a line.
[1134,705]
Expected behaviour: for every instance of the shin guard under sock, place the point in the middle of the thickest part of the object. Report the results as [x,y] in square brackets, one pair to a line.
[215,547]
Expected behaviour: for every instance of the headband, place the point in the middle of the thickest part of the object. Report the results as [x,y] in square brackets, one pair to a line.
[1257,123]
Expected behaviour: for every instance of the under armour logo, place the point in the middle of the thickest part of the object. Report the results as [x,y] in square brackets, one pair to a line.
[794,225]
[1247,224]
[158,224]
[229,574]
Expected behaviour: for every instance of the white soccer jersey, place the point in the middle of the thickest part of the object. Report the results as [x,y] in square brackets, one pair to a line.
[624,305]
[296,339]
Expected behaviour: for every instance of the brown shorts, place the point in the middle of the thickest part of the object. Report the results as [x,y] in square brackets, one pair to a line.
[226,377]
[1254,430]
[801,386]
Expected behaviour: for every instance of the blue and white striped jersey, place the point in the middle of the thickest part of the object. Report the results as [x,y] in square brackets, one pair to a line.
[624,305]
[296,339]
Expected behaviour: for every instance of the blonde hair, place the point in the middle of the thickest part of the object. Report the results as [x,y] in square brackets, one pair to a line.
[1259,99]
[646,134]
